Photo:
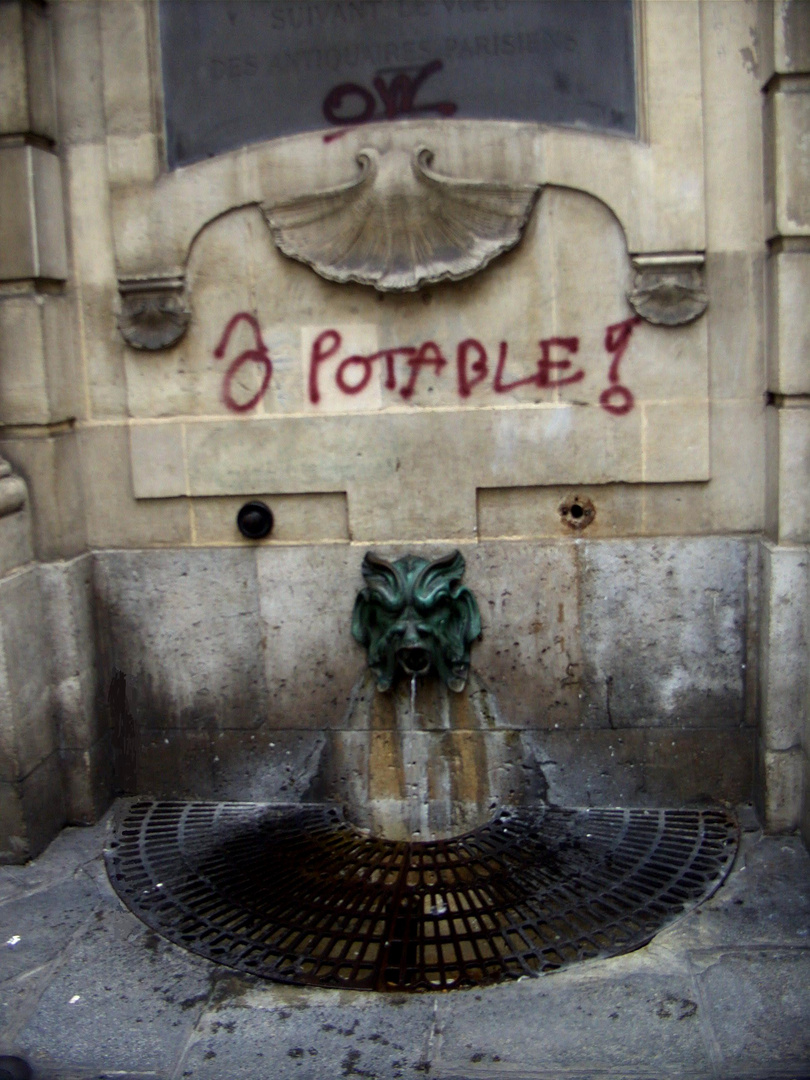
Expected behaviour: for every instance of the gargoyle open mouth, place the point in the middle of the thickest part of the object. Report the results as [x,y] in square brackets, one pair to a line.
[414,660]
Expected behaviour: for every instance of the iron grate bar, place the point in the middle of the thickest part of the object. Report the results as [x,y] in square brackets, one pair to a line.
[298,895]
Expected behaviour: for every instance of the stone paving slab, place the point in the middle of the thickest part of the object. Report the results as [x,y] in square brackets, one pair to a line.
[37,927]
[765,901]
[758,1005]
[308,1034]
[90,993]
[636,1015]
[122,997]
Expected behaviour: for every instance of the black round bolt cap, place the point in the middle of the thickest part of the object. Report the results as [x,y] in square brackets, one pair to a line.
[255,520]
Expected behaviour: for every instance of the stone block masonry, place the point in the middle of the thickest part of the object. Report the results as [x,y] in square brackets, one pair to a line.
[608,414]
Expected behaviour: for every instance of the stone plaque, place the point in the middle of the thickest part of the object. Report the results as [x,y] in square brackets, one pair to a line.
[236,72]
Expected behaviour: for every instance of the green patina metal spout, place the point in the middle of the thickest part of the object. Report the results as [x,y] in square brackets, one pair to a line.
[414,614]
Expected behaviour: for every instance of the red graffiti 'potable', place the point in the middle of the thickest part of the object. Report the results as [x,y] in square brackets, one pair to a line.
[353,373]
[554,366]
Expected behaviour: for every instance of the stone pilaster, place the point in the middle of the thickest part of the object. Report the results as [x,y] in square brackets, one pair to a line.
[40,507]
[784,716]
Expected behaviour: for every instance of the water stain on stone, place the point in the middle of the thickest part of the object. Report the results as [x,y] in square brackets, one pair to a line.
[349,1066]
[673,1007]
[190,1002]
[151,941]
[229,1026]
[229,991]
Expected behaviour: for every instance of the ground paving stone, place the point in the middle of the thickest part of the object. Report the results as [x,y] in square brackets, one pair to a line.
[73,848]
[10,884]
[122,999]
[35,928]
[252,1031]
[758,1005]
[604,1019]
[724,994]
[765,901]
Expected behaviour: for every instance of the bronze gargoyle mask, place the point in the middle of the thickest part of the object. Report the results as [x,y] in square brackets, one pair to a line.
[415,615]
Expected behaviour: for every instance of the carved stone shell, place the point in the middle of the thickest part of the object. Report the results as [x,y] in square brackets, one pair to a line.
[400,225]
[154,311]
[669,293]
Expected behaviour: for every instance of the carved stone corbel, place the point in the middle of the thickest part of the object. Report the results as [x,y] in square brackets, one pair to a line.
[154,310]
[400,225]
[669,288]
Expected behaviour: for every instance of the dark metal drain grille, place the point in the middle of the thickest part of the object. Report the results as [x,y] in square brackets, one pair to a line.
[298,895]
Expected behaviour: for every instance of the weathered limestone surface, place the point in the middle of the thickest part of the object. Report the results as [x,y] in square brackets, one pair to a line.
[240,667]
[787,199]
[32,225]
[15,520]
[39,383]
[185,628]
[26,88]
[331,424]
[788,434]
[113,517]
[37,366]
[29,760]
[48,461]
[664,632]
[783,793]
[297,518]
[624,654]
[656,188]
[425,762]
[785,632]
[30,735]
[54,752]
[83,734]
[789,345]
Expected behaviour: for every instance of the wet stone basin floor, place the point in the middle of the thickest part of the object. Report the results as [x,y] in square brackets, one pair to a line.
[87,991]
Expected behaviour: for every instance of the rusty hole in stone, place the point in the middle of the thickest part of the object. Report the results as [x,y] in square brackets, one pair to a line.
[577,512]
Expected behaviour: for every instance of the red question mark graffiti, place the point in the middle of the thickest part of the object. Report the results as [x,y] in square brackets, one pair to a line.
[617,338]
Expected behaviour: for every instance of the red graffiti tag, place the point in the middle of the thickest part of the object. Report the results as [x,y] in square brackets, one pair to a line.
[479,365]
[349,104]
[617,399]
[429,355]
[553,367]
[258,355]
[353,373]
[327,344]
[545,365]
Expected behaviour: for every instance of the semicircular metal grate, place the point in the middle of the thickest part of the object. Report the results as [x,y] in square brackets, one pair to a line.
[296,894]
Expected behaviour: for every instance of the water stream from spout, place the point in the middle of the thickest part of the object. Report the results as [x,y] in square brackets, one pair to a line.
[415,767]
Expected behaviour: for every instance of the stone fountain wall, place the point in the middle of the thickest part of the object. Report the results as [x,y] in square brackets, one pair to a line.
[627,482]
[625,671]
